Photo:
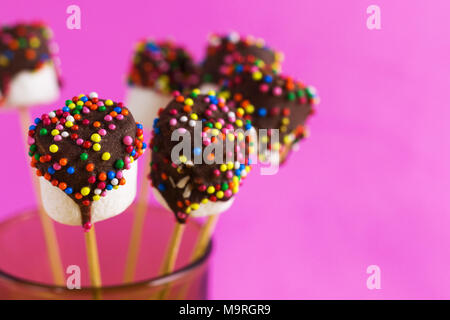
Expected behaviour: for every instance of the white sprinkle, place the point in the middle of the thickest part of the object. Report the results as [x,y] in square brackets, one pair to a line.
[98,191]
[70,118]
[52,114]
[64,134]
[114,182]
[93,95]
[192,123]
[183,119]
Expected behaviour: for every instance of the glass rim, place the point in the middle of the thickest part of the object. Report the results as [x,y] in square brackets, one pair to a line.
[152,282]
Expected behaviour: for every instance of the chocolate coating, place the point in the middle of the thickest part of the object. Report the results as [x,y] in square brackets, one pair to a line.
[271,101]
[164,67]
[224,49]
[183,182]
[75,163]
[23,47]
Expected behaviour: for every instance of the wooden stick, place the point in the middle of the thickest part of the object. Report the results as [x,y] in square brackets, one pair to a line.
[93,262]
[171,255]
[204,237]
[200,247]
[51,241]
[138,225]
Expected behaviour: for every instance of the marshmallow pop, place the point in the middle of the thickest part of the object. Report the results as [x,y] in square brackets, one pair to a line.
[222,50]
[29,74]
[158,69]
[85,155]
[271,101]
[182,183]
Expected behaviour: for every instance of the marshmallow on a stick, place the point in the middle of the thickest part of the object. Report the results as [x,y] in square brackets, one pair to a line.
[85,155]
[203,178]
[158,68]
[29,72]
[222,50]
[274,102]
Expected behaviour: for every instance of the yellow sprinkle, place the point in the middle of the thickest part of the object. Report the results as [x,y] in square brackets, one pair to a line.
[116,187]
[96,197]
[215,132]
[189,102]
[55,132]
[218,125]
[223,167]
[239,122]
[211,93]
[96,147]
[257,75]
[71,106]
[183,159]
[230,165]
[96,137]
[285,121]
[219,194]
[69,124]
[196,91]
[194,116]
[109,103]
[250,109]
[195,206]
[85,191]
[80,103]
[210,189]
[35,42]
[235,189]
[53,148]
[205,200]
[188,210]
[106,156]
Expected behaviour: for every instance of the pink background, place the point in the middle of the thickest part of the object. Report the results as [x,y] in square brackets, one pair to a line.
[370,186]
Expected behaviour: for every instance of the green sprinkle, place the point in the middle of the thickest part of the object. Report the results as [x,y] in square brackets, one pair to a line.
[119,164]
[102,108]
[43,132]
[224,186]
[84,156]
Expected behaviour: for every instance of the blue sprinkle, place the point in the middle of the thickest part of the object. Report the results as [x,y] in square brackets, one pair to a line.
[68,190]
[119,110]
[242,167]
[70,170]
[32,127]
[109,187]
[268,79]
[239,68]
[111,175]
[9,54]
[139,126]
[249,161]
[133,153]
[157,130]
[161,187]
[37,120]
[84,99]
[51,170]
[238,172]
[262,112]
[197,151]
[248,126]
[66,109]
[144,145]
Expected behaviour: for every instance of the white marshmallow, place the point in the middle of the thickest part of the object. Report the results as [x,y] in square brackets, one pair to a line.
[61,208]
[204,210]
[208,86]
[144,104]
[29,88]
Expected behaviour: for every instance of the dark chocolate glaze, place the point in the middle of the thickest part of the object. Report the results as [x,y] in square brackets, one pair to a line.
[223,49]
[272,101]
[163,66]
[67,168]
[168,176]
[22,47]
